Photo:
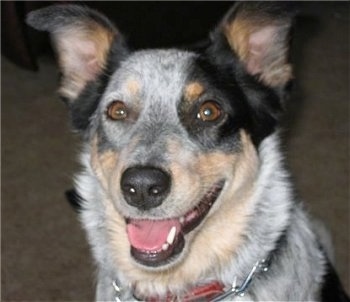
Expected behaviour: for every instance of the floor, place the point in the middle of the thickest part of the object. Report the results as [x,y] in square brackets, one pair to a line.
[45,256]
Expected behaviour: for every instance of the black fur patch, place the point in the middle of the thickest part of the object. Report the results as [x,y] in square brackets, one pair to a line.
[74,199]
[247,103]
[263,104]
[332,289]
[221,88]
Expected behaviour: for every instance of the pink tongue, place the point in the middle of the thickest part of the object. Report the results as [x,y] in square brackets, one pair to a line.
[150,235]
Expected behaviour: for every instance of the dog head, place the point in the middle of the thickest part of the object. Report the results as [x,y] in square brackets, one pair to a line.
[173,135]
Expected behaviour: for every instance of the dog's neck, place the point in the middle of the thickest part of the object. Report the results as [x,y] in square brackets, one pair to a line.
[213,291]
[203,292]
[216,291]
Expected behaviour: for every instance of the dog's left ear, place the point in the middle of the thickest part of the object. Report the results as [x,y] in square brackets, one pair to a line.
[258,34]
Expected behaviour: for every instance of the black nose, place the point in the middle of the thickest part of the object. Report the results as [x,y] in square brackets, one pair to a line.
[145,187]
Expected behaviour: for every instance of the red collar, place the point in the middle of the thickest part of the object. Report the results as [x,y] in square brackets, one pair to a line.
[201,293]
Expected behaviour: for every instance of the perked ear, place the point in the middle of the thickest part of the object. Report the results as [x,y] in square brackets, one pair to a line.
[258,33]
[82,38]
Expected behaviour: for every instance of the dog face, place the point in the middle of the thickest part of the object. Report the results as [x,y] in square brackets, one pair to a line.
[173,135]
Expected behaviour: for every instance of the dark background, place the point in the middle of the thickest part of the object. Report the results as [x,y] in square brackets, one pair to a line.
[44,251]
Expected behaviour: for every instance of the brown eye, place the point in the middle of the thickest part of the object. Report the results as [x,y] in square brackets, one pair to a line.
[209,111]
[117,111]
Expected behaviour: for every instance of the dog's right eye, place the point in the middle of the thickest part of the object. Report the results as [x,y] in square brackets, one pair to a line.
[117,111]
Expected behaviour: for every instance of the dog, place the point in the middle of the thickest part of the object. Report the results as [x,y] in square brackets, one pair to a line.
[184,193]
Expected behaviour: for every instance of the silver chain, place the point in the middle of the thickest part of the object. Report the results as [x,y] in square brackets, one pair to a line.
[234,290]
[118,291]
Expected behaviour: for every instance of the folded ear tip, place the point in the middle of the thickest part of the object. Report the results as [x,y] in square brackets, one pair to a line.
[58,16]
[33,19]
[43,18]
[277,9]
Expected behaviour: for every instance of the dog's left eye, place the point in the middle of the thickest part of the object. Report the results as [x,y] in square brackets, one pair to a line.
[209,111]
[117,111]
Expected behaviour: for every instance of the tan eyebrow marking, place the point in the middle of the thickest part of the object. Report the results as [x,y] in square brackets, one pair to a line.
[133,86]
[193,91]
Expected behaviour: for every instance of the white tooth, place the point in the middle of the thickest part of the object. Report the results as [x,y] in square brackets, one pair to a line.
[182,219]
[165,246]
[171,235]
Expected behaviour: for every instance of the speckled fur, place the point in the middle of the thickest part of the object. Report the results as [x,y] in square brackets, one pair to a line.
[162,90]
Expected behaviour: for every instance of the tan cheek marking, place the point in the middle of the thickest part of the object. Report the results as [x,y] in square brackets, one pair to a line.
[247,165]
[108,161]
[211,167]
[225,229]
[186,181]
[193,91]
[103,164]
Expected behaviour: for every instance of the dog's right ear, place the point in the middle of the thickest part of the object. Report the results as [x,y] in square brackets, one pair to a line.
[258,34]
[82,39]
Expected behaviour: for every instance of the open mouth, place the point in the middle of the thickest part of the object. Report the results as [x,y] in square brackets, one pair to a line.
[157,242]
